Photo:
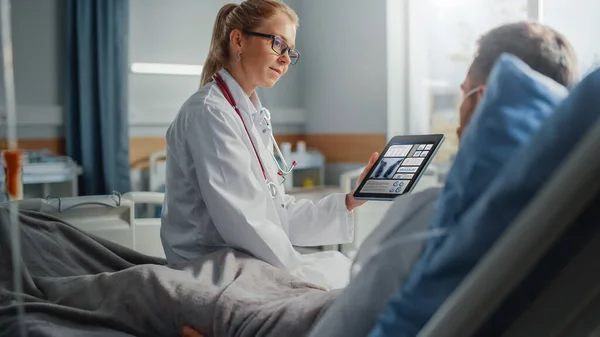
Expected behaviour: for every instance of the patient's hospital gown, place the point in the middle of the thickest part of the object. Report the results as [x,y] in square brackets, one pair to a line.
[217,195]
[382,263]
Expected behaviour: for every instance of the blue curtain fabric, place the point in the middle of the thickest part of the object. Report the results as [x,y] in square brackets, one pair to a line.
[96,125]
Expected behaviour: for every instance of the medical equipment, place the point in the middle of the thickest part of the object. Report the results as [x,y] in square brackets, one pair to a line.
[41,170]
[311,166]
[11,132]
[267,120]
[398,170]
[13,174]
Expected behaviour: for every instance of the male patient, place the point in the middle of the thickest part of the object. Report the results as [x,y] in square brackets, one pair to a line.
[385,258]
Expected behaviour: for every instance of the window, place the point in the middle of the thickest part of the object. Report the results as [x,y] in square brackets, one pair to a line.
[578,21]
[452,33]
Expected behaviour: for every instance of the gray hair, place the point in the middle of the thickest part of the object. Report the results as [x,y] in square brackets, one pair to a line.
[541,47]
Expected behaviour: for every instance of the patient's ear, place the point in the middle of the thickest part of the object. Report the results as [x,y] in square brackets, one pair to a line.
[480,91]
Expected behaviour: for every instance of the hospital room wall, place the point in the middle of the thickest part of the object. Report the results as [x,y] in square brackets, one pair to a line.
[301,108]
[181,37]
[340,79]
[344,80]
[334,99]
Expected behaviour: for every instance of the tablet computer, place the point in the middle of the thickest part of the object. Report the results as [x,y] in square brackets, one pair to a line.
[399,167]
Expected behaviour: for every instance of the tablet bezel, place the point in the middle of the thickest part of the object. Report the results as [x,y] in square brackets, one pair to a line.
[437,140]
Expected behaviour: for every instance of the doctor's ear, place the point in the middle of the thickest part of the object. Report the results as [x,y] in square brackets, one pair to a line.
[236,39]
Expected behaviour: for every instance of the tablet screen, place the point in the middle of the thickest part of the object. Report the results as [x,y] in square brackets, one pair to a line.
[399,167]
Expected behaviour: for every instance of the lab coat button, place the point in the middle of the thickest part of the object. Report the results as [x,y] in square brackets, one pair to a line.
[264,130]
[282,206]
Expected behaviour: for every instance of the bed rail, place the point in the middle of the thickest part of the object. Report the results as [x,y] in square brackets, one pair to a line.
[112,217]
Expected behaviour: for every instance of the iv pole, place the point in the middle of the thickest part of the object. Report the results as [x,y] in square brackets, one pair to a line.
[12,158]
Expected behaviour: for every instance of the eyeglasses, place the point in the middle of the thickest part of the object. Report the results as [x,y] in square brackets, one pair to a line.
[279,46]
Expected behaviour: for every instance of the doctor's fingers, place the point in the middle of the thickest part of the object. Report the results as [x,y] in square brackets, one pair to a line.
[370,164]
[373,159]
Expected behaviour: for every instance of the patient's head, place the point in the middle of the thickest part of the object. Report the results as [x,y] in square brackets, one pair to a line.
[542,48]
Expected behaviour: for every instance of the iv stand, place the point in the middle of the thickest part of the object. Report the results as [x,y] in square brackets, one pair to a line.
[11,143]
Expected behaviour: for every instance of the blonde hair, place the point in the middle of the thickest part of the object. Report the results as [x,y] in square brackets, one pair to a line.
[247,15]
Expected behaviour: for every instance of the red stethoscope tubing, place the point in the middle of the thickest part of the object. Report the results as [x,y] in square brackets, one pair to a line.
[229,97]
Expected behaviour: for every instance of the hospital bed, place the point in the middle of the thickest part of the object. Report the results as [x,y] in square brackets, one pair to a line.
[569,303]
[158,171]
[111,217]
[156,181]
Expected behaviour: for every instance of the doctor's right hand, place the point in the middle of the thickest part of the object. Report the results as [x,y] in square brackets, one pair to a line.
[352,203]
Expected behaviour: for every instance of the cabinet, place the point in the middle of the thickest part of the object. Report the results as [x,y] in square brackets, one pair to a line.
[309,170]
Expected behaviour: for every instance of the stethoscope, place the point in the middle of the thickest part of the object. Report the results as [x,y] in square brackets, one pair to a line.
[282,172]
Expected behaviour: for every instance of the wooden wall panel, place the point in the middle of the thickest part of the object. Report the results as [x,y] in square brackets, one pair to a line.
[337,148]
[347,148]
[340,148]
[56,145]
[140,149]
[290,138]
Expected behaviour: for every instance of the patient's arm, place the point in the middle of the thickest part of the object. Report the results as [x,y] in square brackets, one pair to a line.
[189,332]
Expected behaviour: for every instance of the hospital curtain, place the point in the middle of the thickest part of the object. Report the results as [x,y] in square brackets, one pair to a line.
[96,123]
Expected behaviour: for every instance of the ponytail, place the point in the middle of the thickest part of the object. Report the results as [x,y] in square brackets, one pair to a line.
[219,46]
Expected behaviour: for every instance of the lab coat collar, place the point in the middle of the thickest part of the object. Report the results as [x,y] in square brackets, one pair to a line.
[244,103]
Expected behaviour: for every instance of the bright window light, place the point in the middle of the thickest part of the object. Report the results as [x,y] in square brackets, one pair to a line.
[166,68]
[433,83]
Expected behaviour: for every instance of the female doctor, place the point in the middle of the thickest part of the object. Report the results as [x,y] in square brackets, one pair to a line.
[223,185]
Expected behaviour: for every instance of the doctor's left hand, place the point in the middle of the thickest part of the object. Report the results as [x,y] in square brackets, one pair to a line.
[352,203]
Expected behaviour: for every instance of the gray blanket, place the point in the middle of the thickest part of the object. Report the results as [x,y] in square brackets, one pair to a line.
[76,284]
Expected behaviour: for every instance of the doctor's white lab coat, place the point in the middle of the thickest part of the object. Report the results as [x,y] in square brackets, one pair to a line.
[217,196]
